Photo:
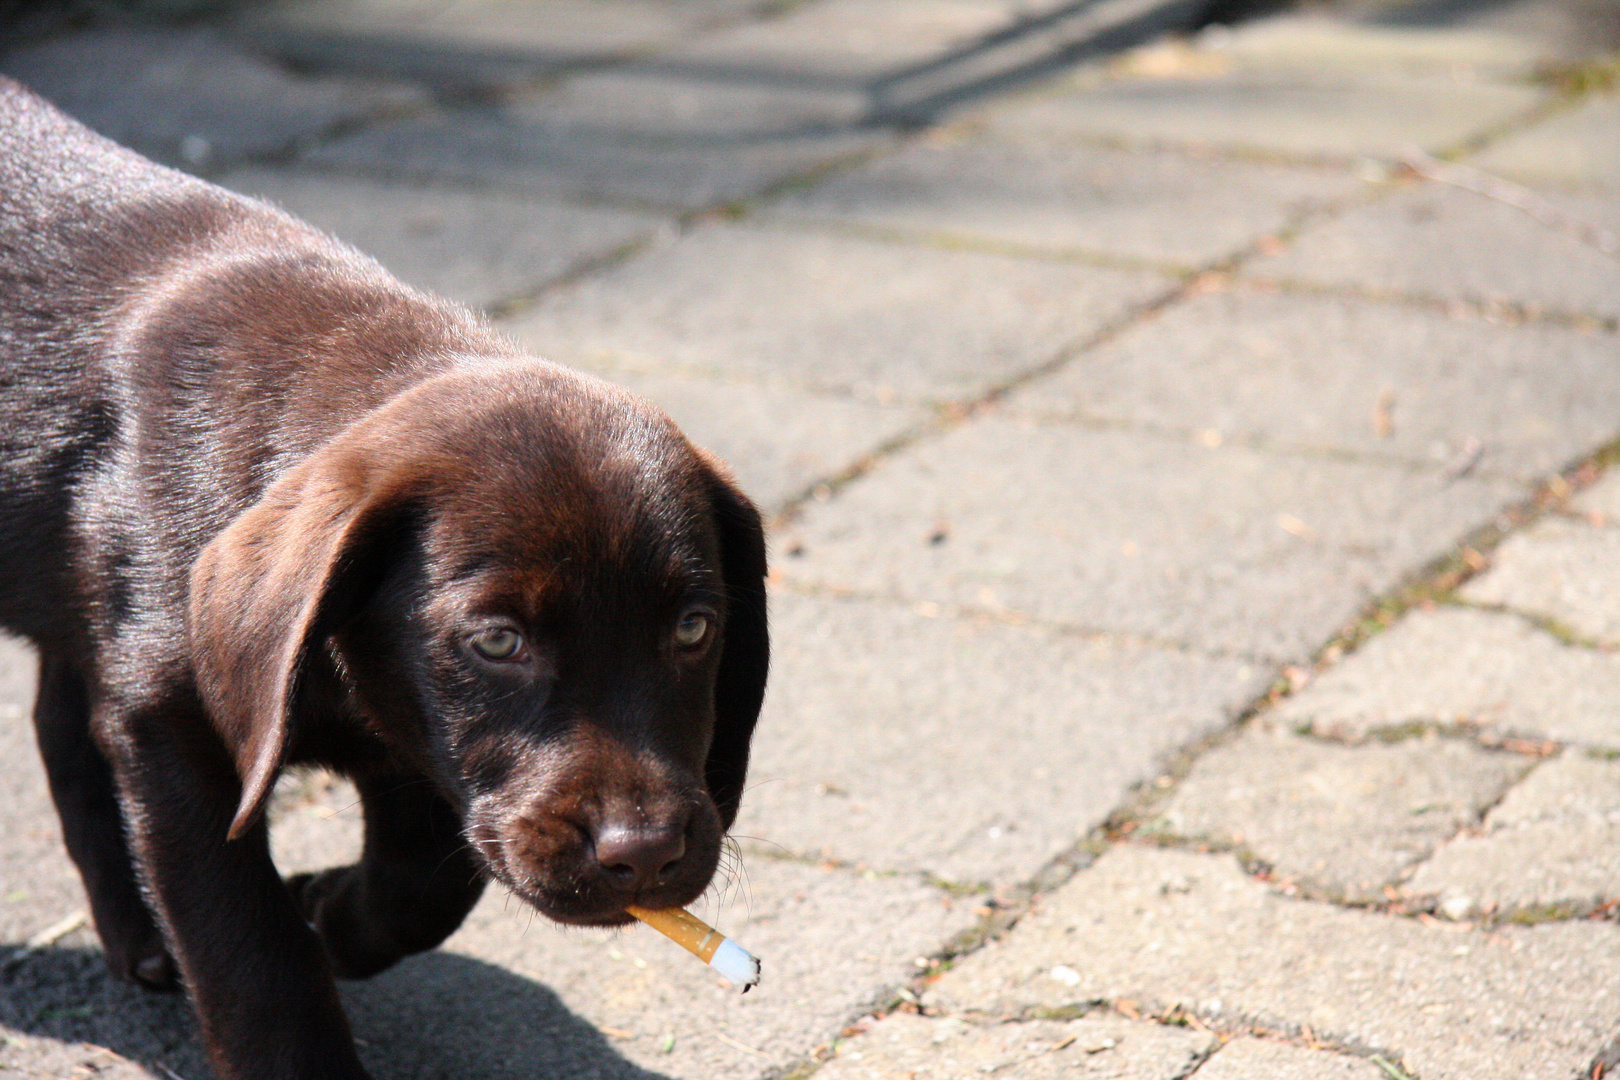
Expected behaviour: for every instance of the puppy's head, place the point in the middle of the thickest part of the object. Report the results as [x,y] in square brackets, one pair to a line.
[528,586]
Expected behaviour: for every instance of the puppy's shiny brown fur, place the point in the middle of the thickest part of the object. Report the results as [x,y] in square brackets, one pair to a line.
[262,505]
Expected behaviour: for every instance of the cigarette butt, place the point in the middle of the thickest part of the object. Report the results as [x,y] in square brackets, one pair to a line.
[700,939]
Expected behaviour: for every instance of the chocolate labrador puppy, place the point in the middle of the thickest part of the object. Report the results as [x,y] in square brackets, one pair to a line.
[262,505]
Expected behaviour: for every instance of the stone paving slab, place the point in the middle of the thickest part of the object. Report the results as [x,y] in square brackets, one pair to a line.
[1261,1059]
[1600,501]
[192,99]
[1310,42]
[474,246]
[1226,549]
[832,311]
[831,944]
[882,744]
[778,439]
[1159,928]
[904,1046]
[24,1057]
[665,102]
[1324,115]
[36,887]
[1344,375]
[1067,198]
[1345,820]
[1565,570]
[1575,150]
[478,42]
[1436,241]
[1553,844]
[60,1009]
[494,145]
[1453,665]
[849,43]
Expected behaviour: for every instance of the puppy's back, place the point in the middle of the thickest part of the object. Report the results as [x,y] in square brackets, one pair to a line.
[158,330]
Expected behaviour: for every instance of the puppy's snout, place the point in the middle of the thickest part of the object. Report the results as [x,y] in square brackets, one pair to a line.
[640,857]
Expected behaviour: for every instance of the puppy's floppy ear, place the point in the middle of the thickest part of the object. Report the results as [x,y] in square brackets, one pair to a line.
[263,590]
[746,651]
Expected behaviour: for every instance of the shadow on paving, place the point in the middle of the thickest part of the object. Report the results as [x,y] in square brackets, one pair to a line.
[1025,51]
[434,1017]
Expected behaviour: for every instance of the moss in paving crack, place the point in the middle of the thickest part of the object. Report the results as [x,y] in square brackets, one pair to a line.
[1547,624]
[1407,730]
[1063,1013]
[1537,914]
[1577,80]
[958,889]
[805,1069]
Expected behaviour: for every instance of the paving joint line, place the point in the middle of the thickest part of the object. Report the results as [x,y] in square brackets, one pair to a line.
[772,851]
[1501,312]
[1215,439]
[1235,153]
[1224,1027]
[949,240]
[930,609]
[1549,625]
[515,305]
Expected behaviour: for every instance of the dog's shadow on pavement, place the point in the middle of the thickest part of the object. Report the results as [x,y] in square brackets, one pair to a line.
[434,1017]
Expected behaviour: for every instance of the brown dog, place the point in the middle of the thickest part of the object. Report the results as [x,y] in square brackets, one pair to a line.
[263,505]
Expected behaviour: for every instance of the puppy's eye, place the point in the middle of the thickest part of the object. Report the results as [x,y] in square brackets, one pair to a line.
[693,628]
[501,643]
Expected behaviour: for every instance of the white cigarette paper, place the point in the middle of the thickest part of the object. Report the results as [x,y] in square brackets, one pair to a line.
[700,939]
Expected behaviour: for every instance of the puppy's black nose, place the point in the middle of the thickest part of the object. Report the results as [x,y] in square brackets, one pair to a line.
[636,858]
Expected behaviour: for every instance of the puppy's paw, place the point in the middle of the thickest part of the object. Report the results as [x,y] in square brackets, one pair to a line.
[333,902]
[141,959]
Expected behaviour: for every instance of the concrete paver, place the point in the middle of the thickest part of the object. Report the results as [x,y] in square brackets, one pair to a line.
[1559,569]
[1160,928]
[1070,198]
[779,439]
[909,1047]
[192,99]
[1303,42]
[669,103]
[479,42]
[1275,112]
[999,777]
[1338,375]
[59,1009]
[1473,667]
[1226,548]
[1260,1059]
[1601,501]
[850,43]
[548,1001]
[1345,820]
[832,310]
[1442,242]
[499,144]
[474,246]
[1575,150]
[1553,843]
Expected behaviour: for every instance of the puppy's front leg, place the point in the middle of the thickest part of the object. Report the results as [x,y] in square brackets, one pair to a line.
[254,970]
[412,887]
[93,825]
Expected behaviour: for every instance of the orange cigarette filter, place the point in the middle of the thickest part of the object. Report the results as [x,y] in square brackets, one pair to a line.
[705,942]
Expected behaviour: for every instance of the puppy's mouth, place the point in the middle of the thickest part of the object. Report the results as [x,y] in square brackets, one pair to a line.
[557,872]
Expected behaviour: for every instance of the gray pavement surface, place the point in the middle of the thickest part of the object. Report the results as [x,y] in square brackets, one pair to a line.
[1196,577]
